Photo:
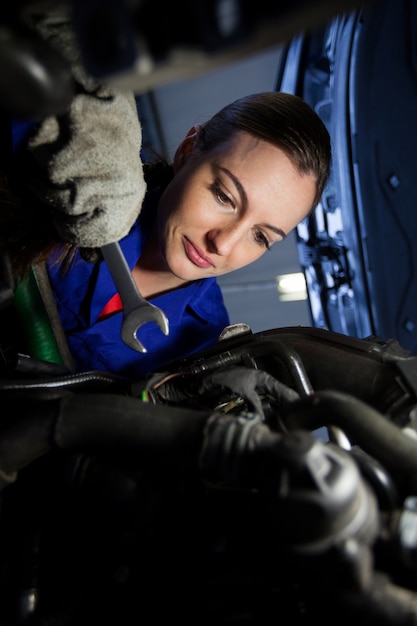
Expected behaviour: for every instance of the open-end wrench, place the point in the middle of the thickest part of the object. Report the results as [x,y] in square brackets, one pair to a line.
[136,309]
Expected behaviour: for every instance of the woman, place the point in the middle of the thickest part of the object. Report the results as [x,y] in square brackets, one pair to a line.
[238,185]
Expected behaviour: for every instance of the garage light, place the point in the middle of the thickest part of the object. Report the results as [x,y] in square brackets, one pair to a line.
[291,287]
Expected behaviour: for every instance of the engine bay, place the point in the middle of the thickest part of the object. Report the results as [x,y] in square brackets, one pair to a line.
[271,477]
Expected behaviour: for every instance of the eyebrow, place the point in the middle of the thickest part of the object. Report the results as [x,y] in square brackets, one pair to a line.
[244,198]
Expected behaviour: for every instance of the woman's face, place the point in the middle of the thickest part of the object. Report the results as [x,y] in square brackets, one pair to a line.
[224,209]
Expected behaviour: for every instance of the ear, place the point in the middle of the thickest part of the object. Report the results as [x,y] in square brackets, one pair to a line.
[186,146]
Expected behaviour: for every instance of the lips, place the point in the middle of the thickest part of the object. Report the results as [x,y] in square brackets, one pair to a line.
[195,255]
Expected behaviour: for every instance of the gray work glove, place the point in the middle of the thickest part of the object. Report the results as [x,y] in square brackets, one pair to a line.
[90,157]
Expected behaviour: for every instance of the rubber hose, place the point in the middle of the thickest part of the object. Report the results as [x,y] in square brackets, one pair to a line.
[125,429]
[39,337]
[369,428]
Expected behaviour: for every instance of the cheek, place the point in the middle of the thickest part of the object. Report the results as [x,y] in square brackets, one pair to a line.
[244,254]
[183,203]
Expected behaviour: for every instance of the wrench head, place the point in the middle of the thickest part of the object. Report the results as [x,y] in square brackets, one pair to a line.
[131,324]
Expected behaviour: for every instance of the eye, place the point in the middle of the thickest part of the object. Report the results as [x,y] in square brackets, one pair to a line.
[221,196]
[261,239]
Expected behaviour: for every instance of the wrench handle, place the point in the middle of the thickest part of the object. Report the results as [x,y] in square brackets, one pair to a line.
[121,274]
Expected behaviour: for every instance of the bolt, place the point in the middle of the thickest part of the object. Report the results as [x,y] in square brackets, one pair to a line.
[394,181]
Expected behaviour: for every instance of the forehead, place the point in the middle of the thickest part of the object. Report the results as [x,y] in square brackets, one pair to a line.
[241,144]
[256,160]
[245,150]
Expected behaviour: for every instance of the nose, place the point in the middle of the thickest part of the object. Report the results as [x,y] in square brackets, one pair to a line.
[222,240]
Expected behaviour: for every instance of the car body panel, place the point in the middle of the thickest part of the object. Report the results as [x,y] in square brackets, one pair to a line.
[356,250]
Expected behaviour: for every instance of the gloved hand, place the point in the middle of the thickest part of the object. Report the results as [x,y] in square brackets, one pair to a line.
[88,159]
[93,172]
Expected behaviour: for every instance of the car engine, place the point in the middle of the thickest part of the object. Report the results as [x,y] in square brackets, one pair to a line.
[269,478]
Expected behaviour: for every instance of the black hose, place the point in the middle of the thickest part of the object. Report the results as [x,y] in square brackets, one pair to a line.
[25,435]
[295,367]
[369,428]
[90,380]
[119,428]
[127,430]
